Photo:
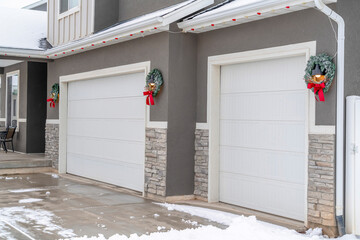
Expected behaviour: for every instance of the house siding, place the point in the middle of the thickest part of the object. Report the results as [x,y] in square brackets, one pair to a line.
[297,27]
[69,27]
[349,11]
[183,60]
[152,48]
[20,137]
[32,106]
[179,75]
[106,14]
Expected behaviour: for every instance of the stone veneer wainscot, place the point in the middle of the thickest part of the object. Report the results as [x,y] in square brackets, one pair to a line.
[52,144]
[321,178]
[201,163]
[155,162]
[321,182]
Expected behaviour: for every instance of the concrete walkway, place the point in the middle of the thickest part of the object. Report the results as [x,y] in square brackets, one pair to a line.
[13,163]
[46,206]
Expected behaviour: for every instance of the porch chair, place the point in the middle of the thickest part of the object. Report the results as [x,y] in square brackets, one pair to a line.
[10,132]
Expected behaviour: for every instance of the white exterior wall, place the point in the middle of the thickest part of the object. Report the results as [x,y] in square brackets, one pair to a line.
[70,25]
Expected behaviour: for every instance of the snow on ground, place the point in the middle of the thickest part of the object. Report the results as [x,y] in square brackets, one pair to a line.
[240,228]
[215,216]
[25,190]
[30,200]
[40,220]
[22,28]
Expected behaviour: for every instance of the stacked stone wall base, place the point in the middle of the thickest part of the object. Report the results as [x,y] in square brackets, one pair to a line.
[52,144]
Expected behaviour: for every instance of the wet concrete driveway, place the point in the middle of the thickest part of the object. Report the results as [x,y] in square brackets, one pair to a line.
[46,206]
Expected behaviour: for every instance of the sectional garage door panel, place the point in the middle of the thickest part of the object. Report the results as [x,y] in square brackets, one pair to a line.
[106,130]
[274,196]
[262,136]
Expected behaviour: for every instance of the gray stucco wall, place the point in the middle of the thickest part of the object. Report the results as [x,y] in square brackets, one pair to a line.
[181,114]
[152,48]
[109,12]
[133,8]
[297,27]
[349,10]
[176,103]
[106,13]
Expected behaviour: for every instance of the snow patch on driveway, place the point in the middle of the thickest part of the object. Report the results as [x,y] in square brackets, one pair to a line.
[30,200]
[26,190]
[240,227]
[213,215]
[40,220]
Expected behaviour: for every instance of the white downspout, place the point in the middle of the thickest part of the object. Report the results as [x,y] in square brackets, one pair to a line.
[339,113]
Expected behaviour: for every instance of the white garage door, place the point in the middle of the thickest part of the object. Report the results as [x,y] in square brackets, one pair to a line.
[106,130]
[263,136]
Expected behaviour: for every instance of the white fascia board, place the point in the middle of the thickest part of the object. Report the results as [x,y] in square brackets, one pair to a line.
[200,23]
[122,33]
[139,29]
[186,11]
[19,52]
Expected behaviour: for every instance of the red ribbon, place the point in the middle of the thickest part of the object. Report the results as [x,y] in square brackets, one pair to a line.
[52,102]
[319,89]
[149,98]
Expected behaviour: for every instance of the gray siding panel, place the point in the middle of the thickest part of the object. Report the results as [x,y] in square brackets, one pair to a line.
[71,25]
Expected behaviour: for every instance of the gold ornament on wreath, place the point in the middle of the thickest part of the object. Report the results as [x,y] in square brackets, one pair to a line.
[319,75]
[154,81]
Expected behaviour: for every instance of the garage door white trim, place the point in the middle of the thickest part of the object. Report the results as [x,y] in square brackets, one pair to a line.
[213,104]
[63,105]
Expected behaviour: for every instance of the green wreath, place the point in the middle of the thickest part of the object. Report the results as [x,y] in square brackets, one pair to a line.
[155,76]
[326,66]
[55,91]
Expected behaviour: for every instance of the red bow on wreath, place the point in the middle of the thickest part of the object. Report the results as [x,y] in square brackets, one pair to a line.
[52,102]
[149,99]
[319,89]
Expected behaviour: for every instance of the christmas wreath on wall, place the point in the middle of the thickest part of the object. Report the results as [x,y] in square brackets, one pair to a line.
[154,81]
[319,74]
[54,95]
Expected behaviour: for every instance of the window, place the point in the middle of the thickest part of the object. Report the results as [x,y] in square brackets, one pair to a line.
[66,5]
[12,98]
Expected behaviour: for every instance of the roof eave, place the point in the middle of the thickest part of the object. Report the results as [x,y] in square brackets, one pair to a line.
[136,30]
[186,11]
[197,24]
